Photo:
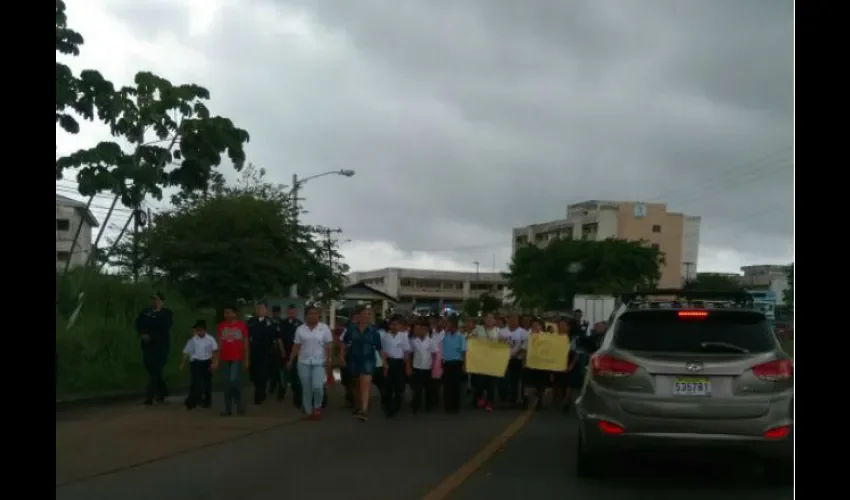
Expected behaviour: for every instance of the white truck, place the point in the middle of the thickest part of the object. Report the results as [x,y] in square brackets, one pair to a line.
[595,307]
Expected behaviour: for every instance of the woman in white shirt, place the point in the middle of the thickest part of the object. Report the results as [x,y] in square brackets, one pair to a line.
[312,347]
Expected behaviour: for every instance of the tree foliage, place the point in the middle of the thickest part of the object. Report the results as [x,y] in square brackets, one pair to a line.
[714,283]
[238,241]
[485,303]
[174,140]
[549,277]
[788,293]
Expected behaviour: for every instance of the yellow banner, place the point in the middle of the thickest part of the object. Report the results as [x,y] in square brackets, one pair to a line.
[548,352]
[486,357]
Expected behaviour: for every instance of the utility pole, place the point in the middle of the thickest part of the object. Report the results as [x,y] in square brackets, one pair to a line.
[293,289]
[477,270]
[329,243]
[139,220]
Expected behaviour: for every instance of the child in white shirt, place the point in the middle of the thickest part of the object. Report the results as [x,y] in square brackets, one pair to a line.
[200,351]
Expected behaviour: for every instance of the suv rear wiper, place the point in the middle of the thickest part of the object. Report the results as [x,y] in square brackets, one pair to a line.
[725,345]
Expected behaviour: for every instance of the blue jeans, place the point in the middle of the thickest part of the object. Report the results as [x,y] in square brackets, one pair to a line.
[312,386]
[233,386]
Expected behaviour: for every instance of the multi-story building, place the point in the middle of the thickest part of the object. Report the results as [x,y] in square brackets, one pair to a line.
[431,288]
[769,277]
[675,234]
[69,214]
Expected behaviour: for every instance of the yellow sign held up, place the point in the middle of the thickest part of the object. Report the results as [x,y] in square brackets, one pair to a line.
[548,352]
[486,357]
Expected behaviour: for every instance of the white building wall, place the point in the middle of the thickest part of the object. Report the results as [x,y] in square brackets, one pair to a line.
[80,254]
[690,247]
[607,220]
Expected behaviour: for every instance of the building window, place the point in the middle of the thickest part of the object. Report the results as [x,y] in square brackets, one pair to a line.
[655,246]
[63,256]
[656,228]
[63,225]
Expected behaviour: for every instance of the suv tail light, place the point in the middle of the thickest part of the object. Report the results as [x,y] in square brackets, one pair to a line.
[781,369]
[609,366]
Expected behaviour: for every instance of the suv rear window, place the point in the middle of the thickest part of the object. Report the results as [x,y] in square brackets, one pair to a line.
[665,331]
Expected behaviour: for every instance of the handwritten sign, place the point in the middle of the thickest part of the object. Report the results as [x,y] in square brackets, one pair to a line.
[486,357]
[548,352]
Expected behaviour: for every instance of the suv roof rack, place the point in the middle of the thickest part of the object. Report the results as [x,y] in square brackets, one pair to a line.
[676,298]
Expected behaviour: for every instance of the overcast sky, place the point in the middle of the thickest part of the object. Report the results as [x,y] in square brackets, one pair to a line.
[465,118]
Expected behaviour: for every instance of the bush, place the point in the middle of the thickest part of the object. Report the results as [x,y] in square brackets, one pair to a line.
[100,352]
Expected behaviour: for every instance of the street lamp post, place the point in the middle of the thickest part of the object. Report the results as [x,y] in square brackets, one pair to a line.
[296,185]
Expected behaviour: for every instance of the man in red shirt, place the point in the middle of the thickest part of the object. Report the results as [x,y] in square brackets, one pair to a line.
[233,356]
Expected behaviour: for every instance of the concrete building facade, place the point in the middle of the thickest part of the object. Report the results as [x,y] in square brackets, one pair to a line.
[431,287]
[675,234]
[770,277]
[69,214]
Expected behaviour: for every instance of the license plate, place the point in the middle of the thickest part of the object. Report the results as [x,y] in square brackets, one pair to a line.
[692,387]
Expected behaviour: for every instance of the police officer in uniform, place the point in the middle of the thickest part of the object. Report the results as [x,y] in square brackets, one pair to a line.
[263,338]
[278,379]
[287,340]
[153,326]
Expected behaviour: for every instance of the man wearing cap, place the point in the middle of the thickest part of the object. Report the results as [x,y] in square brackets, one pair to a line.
[153,325]
[287,340]
[263,335]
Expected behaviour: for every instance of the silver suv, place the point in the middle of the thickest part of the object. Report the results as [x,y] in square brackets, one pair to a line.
[688,371]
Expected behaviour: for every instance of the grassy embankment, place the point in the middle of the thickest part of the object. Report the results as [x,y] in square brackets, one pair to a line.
[100,353]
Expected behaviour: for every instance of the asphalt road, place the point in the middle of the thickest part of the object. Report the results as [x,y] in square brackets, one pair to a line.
[539,462]
[405,458]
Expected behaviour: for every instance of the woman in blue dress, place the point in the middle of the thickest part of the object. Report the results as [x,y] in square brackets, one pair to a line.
[363,343]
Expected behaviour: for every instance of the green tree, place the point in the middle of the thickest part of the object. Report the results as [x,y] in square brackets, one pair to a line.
[485,303]
[237,241]
[788,293]
[714,283]
[174,140]
[549,277]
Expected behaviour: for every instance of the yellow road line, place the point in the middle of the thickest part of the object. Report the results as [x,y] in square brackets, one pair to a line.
[451,483]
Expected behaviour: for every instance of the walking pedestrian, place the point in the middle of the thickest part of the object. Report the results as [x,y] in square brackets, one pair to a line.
[454,358]
[363,344]
[422,354]
[396,347]
[312,348]
[153,326]
[485,385]
[533,379]
[278,380]
[287,340]
[263,335]
[348,380]
[200,352]
[234,354]
[517,338]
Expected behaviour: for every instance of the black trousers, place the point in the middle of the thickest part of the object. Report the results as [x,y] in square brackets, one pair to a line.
[511,386]
[348,384]
[423,388]
[452,381]
[484,389]
[278,375]
[260,372]
[200,384]
[154,360]
[392,394]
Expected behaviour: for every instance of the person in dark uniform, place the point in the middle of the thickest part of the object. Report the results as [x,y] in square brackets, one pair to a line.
[263,336]
[287,340]
[277,377]
[348,380]
[153,326]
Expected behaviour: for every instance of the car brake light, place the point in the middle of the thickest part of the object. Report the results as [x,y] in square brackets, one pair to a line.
[609,366]
[610,428]
[778,432]
[781,369]
[693,314]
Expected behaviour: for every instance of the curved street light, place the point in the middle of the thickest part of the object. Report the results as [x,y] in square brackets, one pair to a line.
[296,185]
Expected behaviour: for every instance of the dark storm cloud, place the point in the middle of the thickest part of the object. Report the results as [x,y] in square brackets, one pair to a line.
[465,118]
